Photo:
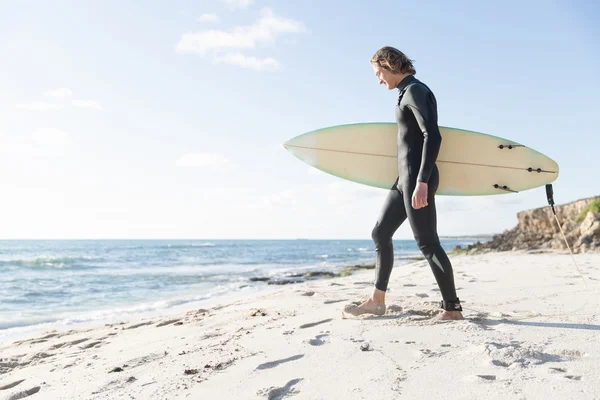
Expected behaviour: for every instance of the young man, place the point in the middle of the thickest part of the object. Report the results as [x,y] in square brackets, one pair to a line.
[412,196]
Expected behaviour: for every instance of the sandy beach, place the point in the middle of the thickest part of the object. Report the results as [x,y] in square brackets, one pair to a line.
[530,332]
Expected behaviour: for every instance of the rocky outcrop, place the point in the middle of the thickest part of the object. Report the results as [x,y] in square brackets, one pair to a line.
[538,229]
[312,275]
[301,277]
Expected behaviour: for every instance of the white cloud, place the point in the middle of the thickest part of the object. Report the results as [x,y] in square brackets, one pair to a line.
[60,92]
[41,106]
[259,64]
[235,4]
[86,104]
[263,31]
[201,160]
[209,18]
[201,42]
[217,42]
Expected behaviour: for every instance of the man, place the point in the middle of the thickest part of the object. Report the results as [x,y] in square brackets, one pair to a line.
[412,195]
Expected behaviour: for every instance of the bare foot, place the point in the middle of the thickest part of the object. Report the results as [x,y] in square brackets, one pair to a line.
[369,306]
[450,316]
[370,303]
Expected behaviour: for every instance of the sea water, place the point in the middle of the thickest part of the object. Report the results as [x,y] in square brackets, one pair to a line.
[46,285]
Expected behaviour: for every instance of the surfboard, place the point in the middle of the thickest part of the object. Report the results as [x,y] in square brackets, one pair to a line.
[470,163]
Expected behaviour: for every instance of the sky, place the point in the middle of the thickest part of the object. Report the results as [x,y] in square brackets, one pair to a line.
[165,120]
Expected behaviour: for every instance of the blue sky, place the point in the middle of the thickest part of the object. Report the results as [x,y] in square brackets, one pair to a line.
[151,119]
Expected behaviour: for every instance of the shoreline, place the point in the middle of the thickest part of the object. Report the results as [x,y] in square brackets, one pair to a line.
[262,285]
[530,332]
[25,332]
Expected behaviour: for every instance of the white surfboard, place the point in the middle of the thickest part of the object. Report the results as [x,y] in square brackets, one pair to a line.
[470,163]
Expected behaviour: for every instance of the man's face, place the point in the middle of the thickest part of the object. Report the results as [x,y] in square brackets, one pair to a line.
[385,77]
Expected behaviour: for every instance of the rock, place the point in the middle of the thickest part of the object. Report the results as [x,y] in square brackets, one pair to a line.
[259,279]
[313,274]
[284,282]
[350,269]
[537,229]
[591,225]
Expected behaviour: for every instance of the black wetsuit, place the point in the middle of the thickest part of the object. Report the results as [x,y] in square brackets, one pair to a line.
[419,142]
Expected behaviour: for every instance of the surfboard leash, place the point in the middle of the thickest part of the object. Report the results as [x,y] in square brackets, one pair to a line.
[550,196]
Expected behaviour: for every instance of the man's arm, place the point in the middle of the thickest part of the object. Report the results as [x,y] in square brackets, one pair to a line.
[422,103]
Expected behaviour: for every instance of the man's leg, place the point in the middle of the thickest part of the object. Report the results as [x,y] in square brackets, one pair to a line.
[423,222]
[392,215]
[390,218]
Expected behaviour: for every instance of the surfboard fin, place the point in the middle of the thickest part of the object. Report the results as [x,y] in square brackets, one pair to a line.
[504,187]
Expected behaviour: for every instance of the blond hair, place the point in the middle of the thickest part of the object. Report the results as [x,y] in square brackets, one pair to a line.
[393,60]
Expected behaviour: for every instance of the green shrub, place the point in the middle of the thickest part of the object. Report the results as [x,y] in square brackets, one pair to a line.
[594,206]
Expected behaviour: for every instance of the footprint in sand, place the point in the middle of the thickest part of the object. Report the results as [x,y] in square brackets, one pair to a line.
[334,301]
[139,325]
[573,353]
[478,378]
[19,395]
[310,325]
[555,370]
[94,344]
[400,377]
[516,354]
[12,385]
[393,308]
[38,341]
[357,340]
[138,361]
[69,344]
[317,341]
[8,364]
[169,322]
[278,393]
[273,364]
[429,353]
[573,377]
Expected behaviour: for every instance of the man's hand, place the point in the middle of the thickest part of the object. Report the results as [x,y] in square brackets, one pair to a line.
[419,197]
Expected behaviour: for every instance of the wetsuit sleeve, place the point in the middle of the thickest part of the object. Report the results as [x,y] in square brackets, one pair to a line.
[422,103]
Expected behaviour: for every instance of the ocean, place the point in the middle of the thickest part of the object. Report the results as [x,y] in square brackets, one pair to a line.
[48,284]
